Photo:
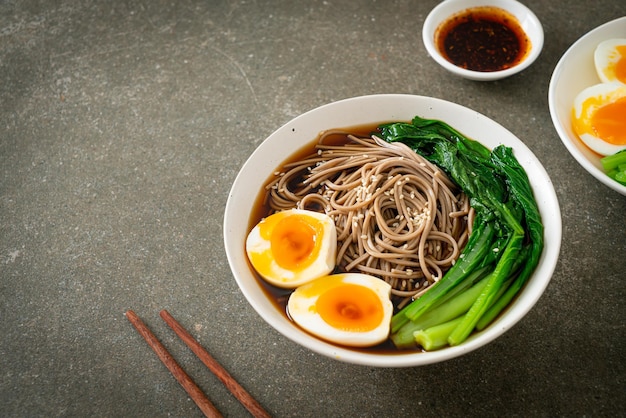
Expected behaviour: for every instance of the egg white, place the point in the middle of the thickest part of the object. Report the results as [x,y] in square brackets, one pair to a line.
[606,56]
[282,277]
[302,309]
[605,93]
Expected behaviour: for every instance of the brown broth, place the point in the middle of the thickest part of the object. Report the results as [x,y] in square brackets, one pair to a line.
[261,209]
[483,39]
[280,297]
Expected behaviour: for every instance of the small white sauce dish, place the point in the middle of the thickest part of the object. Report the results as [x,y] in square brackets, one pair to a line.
[527,20]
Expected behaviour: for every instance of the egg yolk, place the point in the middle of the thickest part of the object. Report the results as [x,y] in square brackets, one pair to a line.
[350,307]
[293,241]
[609,122]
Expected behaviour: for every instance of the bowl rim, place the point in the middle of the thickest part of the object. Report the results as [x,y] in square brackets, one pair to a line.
[529,22]
[251,289]
[567,138]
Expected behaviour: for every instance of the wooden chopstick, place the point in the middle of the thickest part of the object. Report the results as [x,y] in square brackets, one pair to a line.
[181,376]
[220,372]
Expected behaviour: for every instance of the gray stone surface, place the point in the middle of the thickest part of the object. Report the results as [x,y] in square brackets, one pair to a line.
[123,125]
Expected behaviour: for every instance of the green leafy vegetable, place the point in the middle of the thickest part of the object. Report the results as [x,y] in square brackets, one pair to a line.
[437,336]
[403,337]
[502,251]
[615,166]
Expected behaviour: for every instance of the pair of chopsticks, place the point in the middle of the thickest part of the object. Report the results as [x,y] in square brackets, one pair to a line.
[183,378]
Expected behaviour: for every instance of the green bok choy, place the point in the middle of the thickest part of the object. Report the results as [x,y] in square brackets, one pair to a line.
[502,250]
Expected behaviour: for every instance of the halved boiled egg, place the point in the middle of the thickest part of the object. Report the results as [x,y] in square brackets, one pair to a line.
[599,117]
[610,60]
[351,309]
[292,247]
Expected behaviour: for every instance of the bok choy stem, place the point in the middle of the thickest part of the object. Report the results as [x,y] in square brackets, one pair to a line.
[507,237]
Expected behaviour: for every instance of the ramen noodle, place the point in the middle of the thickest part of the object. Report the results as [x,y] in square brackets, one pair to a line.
[398,216]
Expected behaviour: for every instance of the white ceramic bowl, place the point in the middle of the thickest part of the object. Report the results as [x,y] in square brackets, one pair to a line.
[301,131]
[444,10]
[573,73]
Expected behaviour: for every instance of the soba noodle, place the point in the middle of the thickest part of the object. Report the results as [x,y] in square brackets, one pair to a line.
[397,215]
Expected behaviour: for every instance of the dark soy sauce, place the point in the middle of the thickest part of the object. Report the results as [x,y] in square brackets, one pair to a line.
[483,39]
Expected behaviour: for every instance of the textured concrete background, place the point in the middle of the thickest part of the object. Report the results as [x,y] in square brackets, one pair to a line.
[122,127]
